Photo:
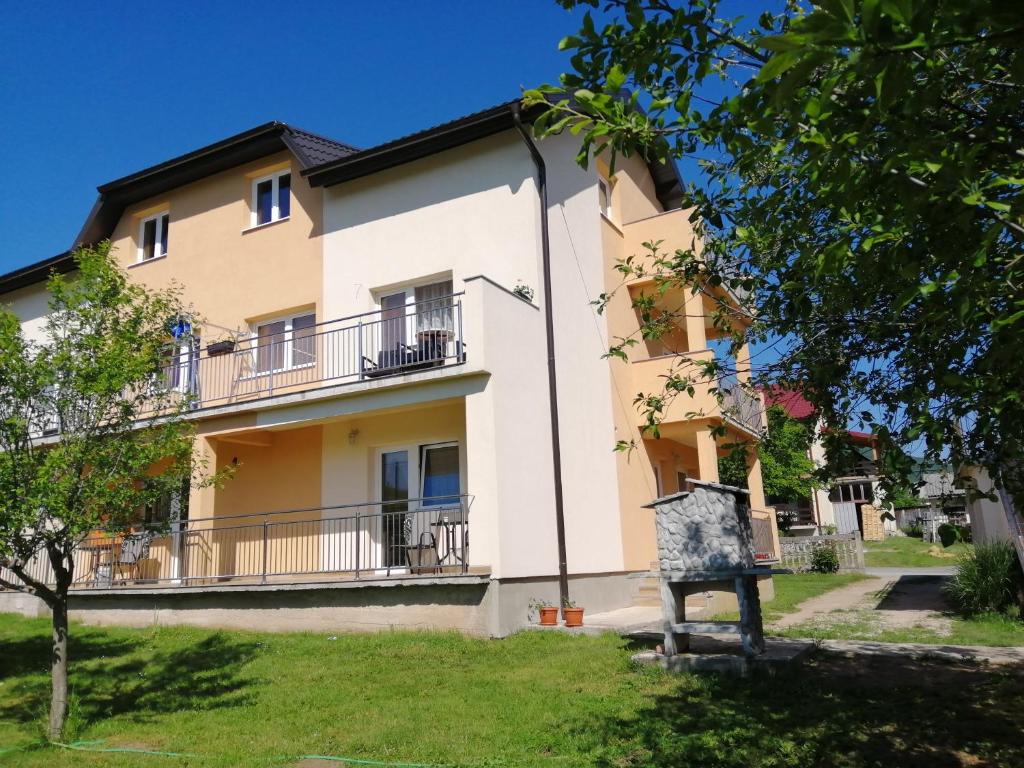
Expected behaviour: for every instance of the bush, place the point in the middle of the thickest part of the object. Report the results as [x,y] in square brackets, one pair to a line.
[948,534]
[988,579]
[914,530]
[825,560]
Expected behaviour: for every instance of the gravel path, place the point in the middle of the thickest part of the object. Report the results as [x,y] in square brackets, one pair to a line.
[902,602]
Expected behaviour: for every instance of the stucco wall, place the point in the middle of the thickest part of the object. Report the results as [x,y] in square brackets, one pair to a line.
[29,304]
[232,273]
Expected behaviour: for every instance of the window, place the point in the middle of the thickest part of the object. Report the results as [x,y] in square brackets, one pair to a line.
[271,198]
[285,344]
[440,475]
[153,233]
[178,368]
[604,197]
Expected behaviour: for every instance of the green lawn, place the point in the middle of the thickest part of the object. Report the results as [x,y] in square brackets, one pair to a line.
[535,699]
[908,552]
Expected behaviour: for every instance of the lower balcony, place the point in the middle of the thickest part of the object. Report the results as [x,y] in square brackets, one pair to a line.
[411,538]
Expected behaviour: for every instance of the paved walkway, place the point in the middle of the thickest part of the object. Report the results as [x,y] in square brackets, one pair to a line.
[924,570]
[985,653]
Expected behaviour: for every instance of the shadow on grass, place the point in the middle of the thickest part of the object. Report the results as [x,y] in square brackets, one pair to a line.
[113,677]
[830,712]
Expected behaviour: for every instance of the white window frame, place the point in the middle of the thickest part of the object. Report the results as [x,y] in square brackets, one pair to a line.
[275,210]
[286,338]
[422,474]
[159,232]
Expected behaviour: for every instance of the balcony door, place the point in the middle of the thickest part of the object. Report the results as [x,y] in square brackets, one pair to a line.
[420,487]
[398,474]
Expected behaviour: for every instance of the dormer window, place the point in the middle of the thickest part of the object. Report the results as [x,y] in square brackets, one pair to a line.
[271,198]
[153,231]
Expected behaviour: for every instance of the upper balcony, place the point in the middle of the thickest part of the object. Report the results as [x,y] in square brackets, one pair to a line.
[739,408]
[373,345]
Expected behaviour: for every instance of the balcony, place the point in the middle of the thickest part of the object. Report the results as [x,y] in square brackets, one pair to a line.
[410,538]
[739,407]
[372,345]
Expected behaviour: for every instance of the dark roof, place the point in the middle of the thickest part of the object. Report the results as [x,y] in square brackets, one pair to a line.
[309,149]
[455,133]
[323,161]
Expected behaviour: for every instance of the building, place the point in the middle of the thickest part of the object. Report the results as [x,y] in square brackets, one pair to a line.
[841,505]
[360,354]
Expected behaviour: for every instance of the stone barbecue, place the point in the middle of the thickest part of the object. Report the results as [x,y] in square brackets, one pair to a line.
[705,529]
[705,541]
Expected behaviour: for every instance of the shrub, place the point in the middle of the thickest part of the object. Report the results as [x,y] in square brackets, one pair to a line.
[914,530]
[948,534]
[825,560]
[988,579]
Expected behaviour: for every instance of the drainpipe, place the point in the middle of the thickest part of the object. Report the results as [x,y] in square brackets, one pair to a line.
[549,325]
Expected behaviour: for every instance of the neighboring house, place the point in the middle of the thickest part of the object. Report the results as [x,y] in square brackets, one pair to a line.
[940,498]
[359,355]
[842,504]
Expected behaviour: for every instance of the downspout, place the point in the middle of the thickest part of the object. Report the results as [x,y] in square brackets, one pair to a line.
[549,324]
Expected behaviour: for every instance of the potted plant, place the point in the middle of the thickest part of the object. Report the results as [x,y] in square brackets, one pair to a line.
[222,347]
[573,614]
[547,613]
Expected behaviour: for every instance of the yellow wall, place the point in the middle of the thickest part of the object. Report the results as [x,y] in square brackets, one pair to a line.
[230,273]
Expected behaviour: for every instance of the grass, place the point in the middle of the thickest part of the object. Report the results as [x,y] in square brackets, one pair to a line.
[793,589]
[535,699]
[990,629]
[909,552]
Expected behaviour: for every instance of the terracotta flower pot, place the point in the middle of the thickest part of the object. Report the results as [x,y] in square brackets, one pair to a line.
[574,617]
[548,616]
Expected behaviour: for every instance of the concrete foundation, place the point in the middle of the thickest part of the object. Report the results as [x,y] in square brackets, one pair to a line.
[474,605]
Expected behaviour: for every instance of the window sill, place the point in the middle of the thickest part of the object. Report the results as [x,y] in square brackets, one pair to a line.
[608,219]
[266,224]
[147,261]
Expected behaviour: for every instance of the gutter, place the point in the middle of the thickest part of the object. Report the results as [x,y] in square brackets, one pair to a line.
[549,327]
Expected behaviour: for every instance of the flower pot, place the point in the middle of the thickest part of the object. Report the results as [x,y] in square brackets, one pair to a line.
[548,616]
[220,347]
[573,617]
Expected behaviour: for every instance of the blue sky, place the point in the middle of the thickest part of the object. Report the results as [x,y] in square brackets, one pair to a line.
[92,92]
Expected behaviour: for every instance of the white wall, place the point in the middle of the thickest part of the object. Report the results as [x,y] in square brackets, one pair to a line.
[474,211]
[988,518]
[30,306]
[468,211]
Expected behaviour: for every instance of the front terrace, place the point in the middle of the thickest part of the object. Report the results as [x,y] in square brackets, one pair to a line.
[423,537]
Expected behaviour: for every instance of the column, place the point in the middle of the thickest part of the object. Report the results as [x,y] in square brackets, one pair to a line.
[743,368]
[693,306]
[707,455]
[754,482]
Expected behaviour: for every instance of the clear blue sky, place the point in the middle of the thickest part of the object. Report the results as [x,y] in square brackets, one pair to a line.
[91,92]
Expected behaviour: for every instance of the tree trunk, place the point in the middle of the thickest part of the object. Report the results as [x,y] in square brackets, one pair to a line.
[59,669]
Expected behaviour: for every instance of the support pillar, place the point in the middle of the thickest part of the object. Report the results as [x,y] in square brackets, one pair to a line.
[751,622]
[707,455]
[743,367]
[696,333]
[673,607]
[754,482]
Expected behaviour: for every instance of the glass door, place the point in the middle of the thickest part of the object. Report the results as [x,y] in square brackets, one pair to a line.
[395,473]
[393,338]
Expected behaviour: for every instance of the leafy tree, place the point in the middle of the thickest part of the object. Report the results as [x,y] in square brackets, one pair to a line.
[786,470]
[854,170]
[122,440]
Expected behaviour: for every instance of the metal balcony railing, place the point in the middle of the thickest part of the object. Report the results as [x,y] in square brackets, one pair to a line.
[413,537]
[740,405]
[371,345]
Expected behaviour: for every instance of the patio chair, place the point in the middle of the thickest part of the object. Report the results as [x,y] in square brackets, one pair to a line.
[423,556]
[134,549]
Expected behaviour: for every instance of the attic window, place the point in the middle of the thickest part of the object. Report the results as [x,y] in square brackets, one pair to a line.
[153,233]
[271,198]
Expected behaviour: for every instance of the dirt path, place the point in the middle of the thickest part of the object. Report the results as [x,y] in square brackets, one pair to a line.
[880,603]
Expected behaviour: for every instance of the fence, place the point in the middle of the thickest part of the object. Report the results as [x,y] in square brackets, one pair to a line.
[408,537]
[797,551]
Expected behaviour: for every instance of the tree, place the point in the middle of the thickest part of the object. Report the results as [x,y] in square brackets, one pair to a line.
[122,440]
[786,469]
[855,171]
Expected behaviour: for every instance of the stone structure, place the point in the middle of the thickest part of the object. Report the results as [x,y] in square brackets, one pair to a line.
[705,541]
[705,529]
